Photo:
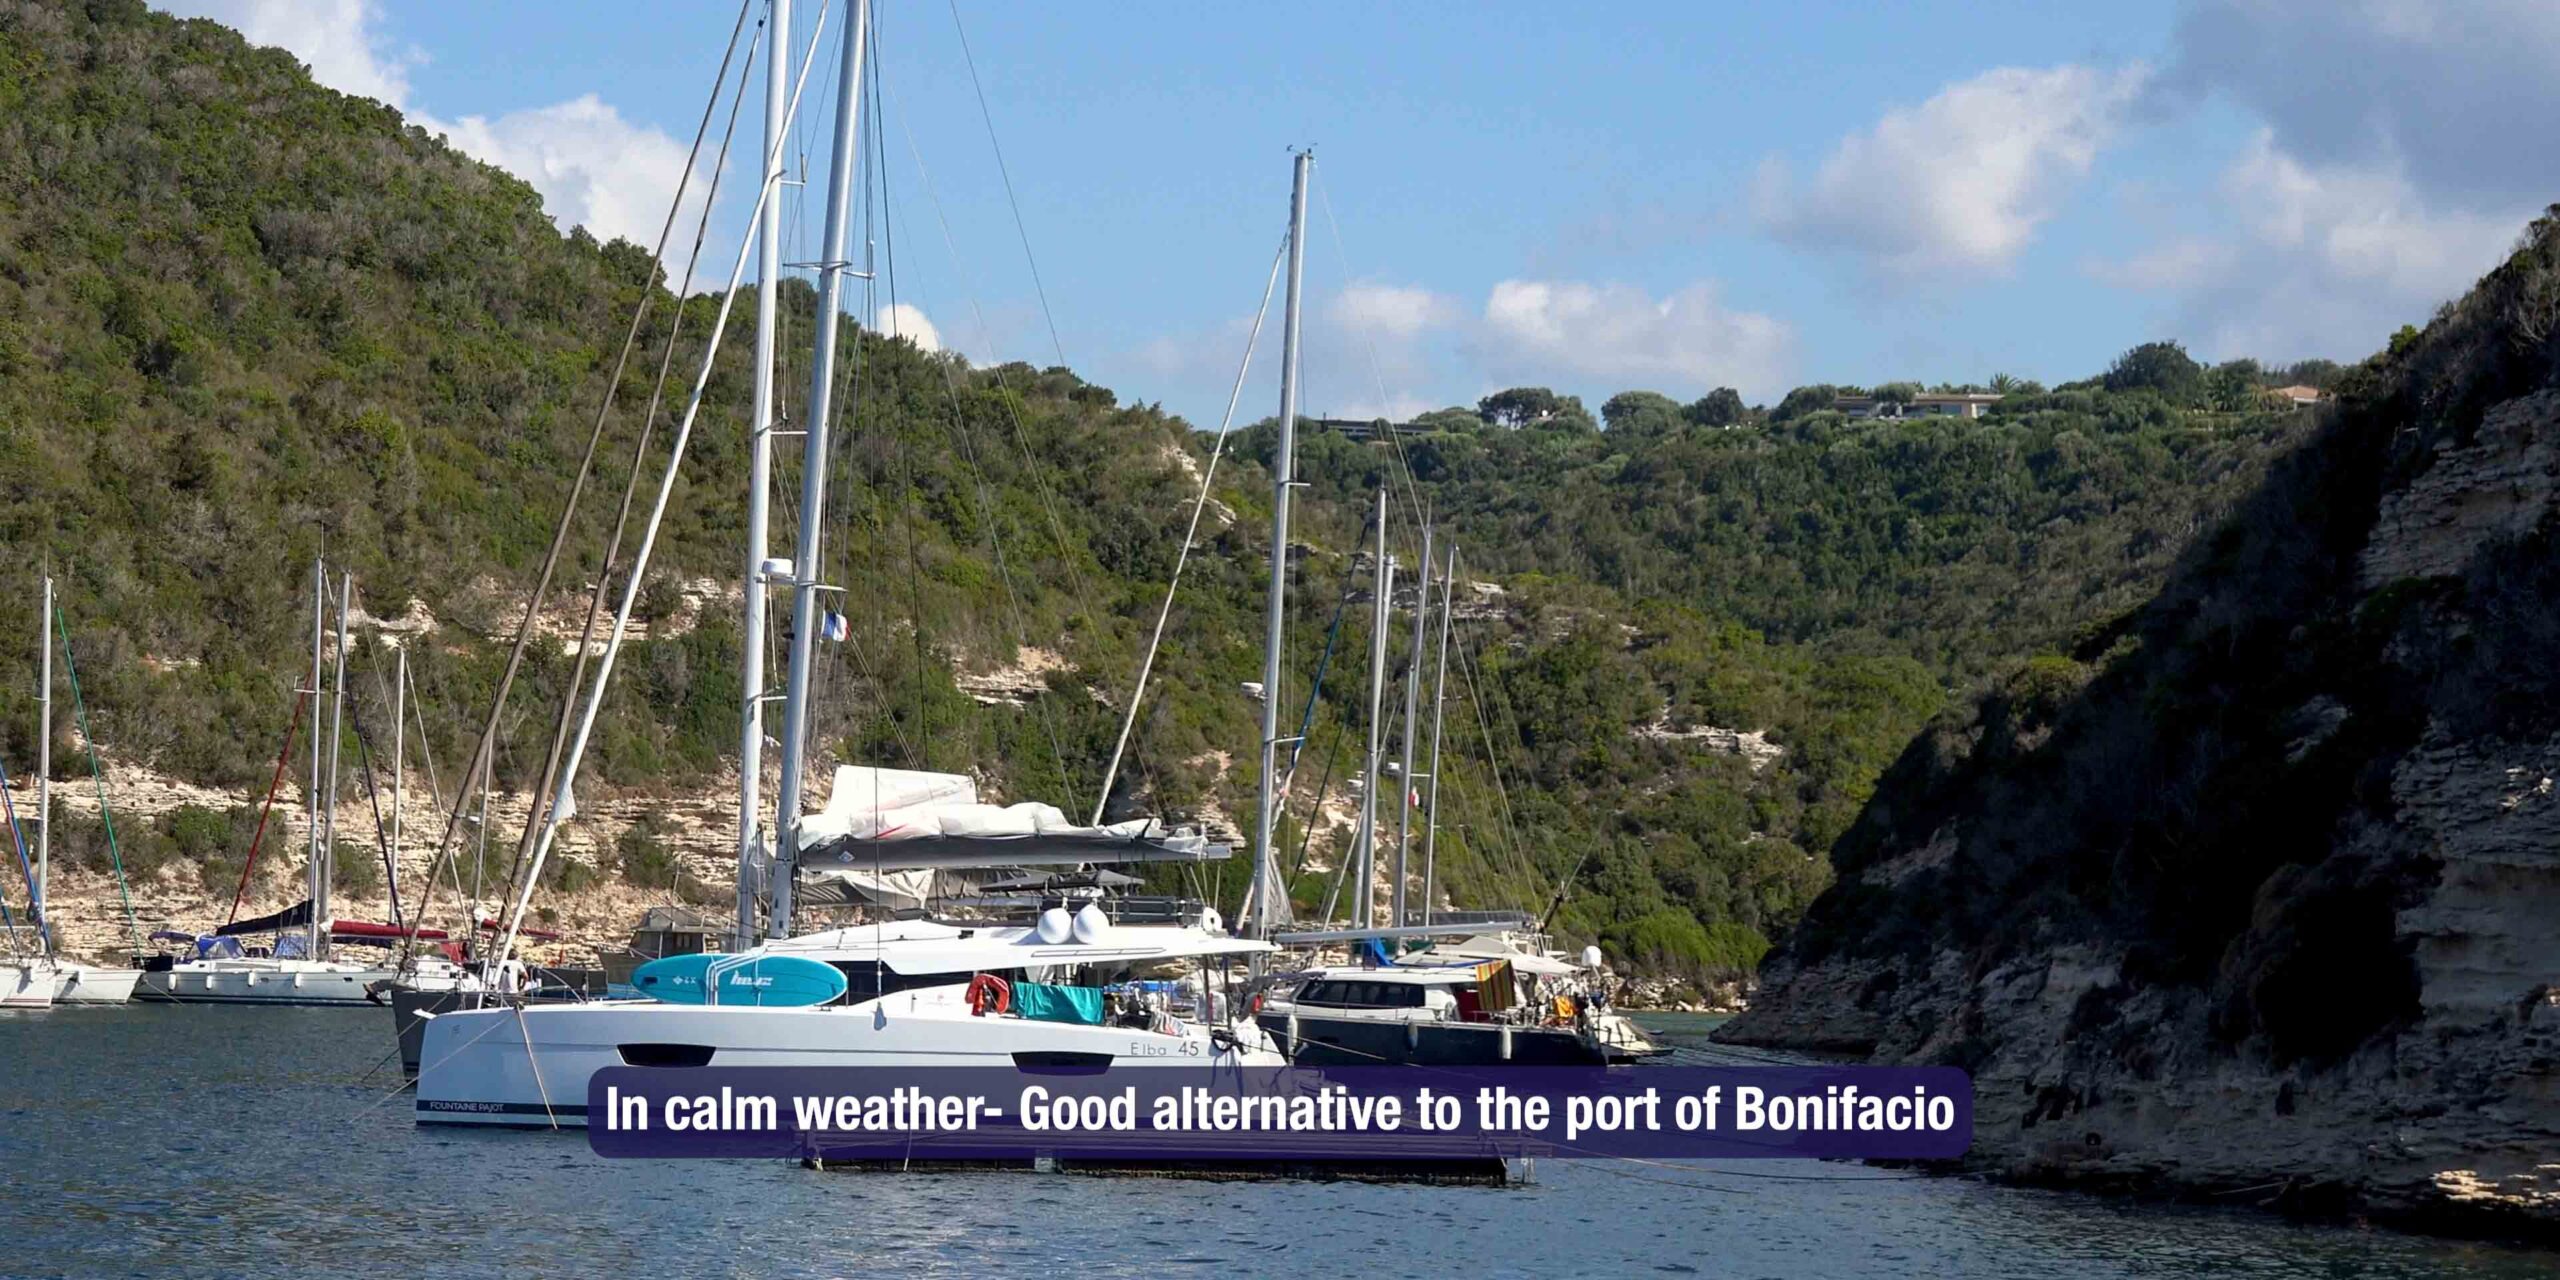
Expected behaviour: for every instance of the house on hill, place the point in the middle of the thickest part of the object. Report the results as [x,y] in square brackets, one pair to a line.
[1924,405]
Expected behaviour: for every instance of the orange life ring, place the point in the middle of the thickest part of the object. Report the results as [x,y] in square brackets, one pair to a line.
[988,989]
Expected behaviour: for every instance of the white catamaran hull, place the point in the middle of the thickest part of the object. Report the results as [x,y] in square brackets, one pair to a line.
[92,984]
[26,984]
[529,1066]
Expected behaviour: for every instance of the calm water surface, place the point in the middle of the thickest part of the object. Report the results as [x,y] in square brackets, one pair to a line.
[155,1140]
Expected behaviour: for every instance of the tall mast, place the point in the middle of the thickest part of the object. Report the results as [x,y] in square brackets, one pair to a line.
[314,876]
[777,91]
[337,729]
[813,470]
[1439,705]
[1364,910]
[1412,718]
[44,766]
[1265,902]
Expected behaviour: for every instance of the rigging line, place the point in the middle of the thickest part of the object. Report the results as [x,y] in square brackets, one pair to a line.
[1511,719]
[1315,804]
[373,798]
[484,754]
[1019,229]
[1413,488]
[1083,593]
[35,903]
[649,535]
[274,784]
[106,817]
[539,808]
[1190,536]
[990,514]
[1493,760]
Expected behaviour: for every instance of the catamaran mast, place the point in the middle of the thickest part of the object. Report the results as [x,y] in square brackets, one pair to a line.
[1363,908]
[44,768]
[1265,902]
[1439,705]
[813,472]
[314,876]
[1412,718]
[777,90]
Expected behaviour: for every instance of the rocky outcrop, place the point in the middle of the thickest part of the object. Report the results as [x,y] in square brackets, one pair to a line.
[2266,907]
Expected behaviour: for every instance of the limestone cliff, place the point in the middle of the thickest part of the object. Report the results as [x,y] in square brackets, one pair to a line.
[2257,897]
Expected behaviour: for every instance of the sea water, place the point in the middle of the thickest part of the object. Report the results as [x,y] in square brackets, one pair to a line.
[159,1140]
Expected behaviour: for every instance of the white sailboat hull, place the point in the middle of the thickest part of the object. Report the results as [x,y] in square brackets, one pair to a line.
[26,984]
[528,1067]
[264,981]
[93,984]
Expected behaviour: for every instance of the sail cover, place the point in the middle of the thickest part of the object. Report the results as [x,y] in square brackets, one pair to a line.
[909,820]
[297,916]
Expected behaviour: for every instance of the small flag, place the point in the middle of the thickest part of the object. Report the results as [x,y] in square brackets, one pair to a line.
[836,628]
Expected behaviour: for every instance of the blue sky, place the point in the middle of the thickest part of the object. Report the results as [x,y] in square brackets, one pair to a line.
[1670,197]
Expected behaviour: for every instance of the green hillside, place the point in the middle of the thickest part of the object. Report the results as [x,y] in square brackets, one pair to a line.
[245,321]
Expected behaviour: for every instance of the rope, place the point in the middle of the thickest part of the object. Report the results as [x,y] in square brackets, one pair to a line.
[1190,535]
[484,755]
[640,561]
[1007,174]
[106,817]
[539,809]
[301,697]
[35,904]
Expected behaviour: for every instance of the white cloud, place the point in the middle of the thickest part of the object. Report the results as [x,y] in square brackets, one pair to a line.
[907,320]
[593,168]
[1689,338]
[1960,182]
[1398,313]
[2320,258]
[335,37]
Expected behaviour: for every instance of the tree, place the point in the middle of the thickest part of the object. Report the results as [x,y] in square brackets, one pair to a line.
[2234,385]
[1640,413]
[1520,406]
[2164,367]
[1804,400]
[1721,407]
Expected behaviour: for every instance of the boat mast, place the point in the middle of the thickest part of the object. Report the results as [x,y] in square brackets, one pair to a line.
[813,472]
[312,873]
[1364,910]
[1264,901]
[1412,718]
[777,89]
[1439,705]
[337,723]
[44,766]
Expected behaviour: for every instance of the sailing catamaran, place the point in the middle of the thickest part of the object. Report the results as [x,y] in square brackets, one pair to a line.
[911,992]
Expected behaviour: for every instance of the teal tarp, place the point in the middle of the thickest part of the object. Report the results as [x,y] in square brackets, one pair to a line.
[1045,1003]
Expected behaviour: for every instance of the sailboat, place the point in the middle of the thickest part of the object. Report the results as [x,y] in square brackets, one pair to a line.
[299,968]
[1491,993]
[73,982]
[903,993]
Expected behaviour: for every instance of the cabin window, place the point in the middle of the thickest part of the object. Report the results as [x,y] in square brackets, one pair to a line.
[870,979]
[1340,994]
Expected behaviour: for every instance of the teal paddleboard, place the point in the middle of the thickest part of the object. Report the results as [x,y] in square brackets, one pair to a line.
[772,981]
